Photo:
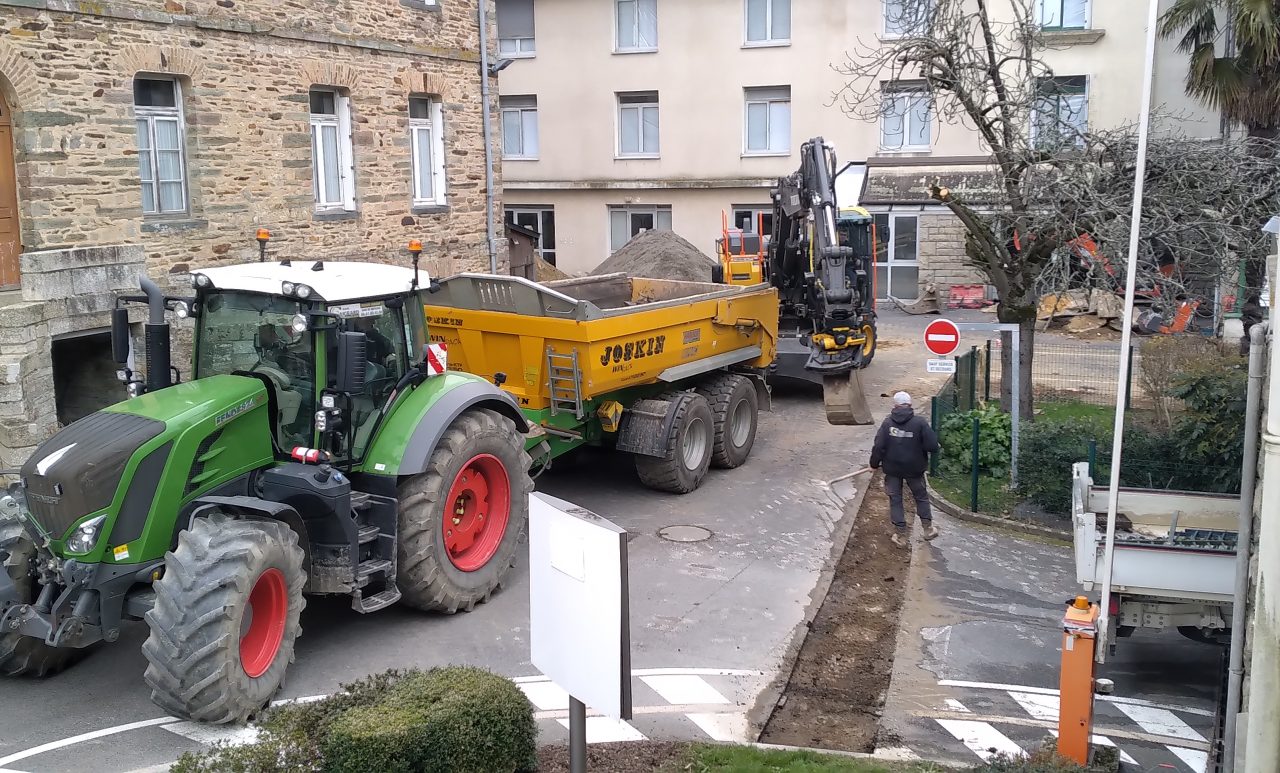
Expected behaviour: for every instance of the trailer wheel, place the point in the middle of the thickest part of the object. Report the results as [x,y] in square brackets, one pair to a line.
[735,407]
[689,445]
[225,618]
[462,521]
[26,655]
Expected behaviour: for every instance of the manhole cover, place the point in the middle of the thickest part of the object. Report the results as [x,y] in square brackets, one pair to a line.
[684,533]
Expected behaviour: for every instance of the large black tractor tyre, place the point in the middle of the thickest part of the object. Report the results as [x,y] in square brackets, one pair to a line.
[24,655]
[735,409]
[463,519]
[225,618]
[689,445]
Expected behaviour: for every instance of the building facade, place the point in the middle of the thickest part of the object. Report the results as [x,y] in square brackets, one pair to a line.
[152,136]
[622,115]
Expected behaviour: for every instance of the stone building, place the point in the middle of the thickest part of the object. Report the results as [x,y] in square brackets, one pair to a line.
[157,135]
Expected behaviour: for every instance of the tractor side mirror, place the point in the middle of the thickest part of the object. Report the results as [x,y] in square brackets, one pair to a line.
[120,336]
[352,361]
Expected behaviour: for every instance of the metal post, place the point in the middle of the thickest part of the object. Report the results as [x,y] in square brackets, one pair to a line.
[973,377]
[1017,407]
[986,387]
[973,473]
[1126,330]
[933,422]
[577,736]
[1128,384]
[1093,458]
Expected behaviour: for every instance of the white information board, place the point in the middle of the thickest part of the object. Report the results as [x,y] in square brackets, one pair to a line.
[940,366]
[579,617]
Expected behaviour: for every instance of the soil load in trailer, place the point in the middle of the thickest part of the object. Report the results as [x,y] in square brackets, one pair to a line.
[669,371]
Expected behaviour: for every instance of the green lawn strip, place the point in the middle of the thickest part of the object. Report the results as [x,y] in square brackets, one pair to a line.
[749,759]
[994,496]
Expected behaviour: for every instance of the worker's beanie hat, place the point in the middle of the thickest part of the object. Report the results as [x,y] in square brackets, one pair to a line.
[901,398]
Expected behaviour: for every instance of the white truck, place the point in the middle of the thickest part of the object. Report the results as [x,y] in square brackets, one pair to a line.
[1174,559]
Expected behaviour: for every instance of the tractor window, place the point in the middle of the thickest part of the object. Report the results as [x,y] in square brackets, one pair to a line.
[247,332]
[388,357]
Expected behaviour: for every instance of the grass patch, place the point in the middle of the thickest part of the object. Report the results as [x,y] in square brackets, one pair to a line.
[994,496]
[1074,410]
[748,759]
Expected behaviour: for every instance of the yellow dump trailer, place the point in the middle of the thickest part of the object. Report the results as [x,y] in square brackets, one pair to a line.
[671,372]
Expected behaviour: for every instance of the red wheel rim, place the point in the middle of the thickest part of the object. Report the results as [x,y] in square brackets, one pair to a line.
[260,638]
[476,512]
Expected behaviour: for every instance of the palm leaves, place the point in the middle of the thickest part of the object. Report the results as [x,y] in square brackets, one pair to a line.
[1234,50]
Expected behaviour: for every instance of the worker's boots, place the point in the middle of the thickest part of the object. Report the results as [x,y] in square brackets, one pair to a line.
[930,532]
[899,539]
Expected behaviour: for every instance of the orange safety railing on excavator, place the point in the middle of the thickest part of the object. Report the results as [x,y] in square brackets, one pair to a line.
[741,267]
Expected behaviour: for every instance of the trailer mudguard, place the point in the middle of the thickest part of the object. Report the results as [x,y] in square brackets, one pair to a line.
[409,434]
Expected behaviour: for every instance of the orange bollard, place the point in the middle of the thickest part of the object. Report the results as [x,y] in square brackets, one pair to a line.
[1076,686]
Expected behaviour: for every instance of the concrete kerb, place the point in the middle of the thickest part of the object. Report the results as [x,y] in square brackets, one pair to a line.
[956,511]
[760,712]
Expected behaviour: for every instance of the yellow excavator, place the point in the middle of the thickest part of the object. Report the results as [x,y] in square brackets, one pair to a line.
[821,258]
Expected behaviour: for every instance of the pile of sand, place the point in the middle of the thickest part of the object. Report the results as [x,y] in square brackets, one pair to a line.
[547,272]
[659,255]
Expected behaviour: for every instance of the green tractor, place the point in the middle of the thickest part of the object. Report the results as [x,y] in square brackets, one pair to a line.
[320,447]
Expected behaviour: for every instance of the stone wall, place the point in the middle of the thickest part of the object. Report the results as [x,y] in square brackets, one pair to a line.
[942,258]
[245,69]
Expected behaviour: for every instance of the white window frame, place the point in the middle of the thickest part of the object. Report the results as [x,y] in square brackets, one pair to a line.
[888,260]
[433,128]
[756,210]
[541,213]
[526,108]
[1039,11]
[1078,140]
[641,107]
[885,32]
[767,96]
[345,201]
[618,48]
[153,115]
[769,10]
[910,95]
[633,209]
[518,46]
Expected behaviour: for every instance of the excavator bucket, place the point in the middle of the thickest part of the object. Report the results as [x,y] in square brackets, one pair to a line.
[844,399]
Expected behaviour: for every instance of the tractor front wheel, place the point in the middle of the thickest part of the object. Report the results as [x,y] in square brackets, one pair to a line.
[225,618]
[462,520]
[24,655]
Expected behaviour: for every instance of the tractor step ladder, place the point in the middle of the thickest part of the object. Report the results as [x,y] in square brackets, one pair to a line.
[375,571]
[564,381]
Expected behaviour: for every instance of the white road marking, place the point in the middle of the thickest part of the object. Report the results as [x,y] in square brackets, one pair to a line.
[233,735]
[75,739]
[608,730]
[1164,722]
[1046,707]
[1102,740]
[725,728]
[1046,691]
[957,706]
[680,689]
[640,672]
[981,738]
[547,696]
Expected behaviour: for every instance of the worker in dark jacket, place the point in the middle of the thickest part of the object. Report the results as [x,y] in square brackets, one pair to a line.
[902,448]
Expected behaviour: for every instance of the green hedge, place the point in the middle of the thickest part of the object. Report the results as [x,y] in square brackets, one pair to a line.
[447,719]
[955,435]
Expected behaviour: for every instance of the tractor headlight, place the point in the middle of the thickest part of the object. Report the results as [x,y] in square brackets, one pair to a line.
[287,288]
[322,421]
[182,310]
[303,291]
[134,388]
[202,281]
[85,537]
[299,324]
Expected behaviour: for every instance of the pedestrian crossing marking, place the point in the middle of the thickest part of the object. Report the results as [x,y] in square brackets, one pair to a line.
[608,730]
[981,738]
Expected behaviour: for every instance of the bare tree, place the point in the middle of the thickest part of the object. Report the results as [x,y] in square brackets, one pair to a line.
[978,64]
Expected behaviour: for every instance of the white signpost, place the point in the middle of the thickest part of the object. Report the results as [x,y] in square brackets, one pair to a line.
[940,366]
[579,612]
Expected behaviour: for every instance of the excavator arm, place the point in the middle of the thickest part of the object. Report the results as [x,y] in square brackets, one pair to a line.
[821,261]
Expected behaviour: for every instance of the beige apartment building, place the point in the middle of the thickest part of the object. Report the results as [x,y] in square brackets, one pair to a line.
[623,115]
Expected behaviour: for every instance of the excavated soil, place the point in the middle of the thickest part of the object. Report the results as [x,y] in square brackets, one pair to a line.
[659,255]
[837,689]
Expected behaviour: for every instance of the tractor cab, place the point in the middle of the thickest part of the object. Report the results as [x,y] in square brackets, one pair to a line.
[330,341]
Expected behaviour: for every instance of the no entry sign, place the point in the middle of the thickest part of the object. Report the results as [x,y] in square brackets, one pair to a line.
[942,337]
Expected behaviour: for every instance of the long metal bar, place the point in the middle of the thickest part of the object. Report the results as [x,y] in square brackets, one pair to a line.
[1244,540]
[1126,334]
[577,736]
[485,75]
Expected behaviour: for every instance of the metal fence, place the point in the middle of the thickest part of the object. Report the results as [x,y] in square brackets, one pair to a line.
[958,472]
[1083,373]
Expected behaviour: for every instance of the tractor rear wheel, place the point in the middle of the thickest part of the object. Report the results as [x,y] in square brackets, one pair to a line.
[25,655]
[735,407]
[225,618]
[462,520]
[689,445]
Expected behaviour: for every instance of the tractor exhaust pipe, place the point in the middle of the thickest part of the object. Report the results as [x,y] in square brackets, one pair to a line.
[157,338]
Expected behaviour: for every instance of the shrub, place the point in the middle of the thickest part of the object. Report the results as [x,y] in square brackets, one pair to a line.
[1046,760]
[995,430]
[1046,451]
[1164,358]
[446,719]
[1209,436]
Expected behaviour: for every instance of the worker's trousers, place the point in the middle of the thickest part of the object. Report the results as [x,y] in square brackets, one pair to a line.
[893,486]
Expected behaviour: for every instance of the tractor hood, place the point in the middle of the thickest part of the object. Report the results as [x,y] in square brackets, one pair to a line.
[78,471]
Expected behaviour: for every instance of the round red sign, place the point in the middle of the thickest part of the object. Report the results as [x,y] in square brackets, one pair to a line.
[942,337]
